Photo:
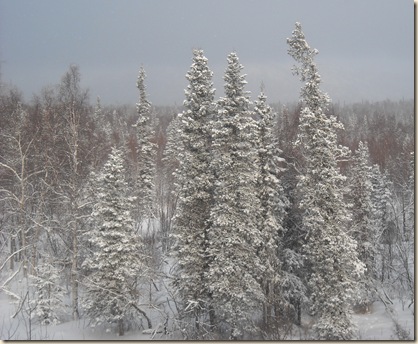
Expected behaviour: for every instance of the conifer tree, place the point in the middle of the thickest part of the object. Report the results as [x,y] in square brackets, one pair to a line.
[173,147]
[116,263]
[293,283]
[380,197]
[331,253]
[167,191]
[362,227]
[103,128]
[272,208]
[48,302]
[195,184]
[235,270]
[147,151]
[382,221]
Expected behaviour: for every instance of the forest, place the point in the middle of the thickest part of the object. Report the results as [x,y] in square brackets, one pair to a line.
[222,219]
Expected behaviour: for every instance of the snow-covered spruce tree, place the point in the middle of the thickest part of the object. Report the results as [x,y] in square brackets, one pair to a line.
[195,188]
[103,130]
[235,269]
[293,283]
[147,151]
[330,252]
[167,193]
[272,210]
[48,301]
[115,265]
[383,222]
[362,228]
[172,147]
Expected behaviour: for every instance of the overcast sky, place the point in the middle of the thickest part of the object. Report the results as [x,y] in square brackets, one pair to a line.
[366,47]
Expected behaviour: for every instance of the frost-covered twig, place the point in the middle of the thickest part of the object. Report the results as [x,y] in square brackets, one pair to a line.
[9,335]
[21,305]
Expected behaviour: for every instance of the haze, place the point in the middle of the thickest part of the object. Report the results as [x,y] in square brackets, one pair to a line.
[366,48]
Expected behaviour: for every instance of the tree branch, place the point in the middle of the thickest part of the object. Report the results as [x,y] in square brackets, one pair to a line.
[143,314]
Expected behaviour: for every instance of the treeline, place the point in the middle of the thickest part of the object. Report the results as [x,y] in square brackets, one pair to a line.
[267,213]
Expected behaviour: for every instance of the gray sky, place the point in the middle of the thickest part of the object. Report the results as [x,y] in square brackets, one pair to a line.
[366,47]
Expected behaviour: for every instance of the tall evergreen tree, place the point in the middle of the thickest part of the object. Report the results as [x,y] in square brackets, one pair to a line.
[195,184]
[116,263]
[362,227]
[147,151]
[293,283]
[235,270]
[331,253]
[167,191]
[382,220]
[272,208]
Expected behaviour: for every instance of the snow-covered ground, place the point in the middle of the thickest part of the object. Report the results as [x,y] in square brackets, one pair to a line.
[376,325]
[18,328]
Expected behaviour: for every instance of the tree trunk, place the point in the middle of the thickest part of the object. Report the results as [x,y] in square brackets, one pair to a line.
[12,250]
[35,251]
[23,244]
[299,313]
[74,272]
[212,316]
[121,329]
[143,313]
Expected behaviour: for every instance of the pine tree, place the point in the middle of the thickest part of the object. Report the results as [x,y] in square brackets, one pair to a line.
[195,184]
[147,151]
[331,253]
[235,270]
[361,226]
[116,263]
[272,206]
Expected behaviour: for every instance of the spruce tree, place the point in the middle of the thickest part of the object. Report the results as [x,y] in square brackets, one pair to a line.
[167,191]
[235,269]
[147,151]
[195,184]
[330,252]
[115,263]
[103,130]
[361,226]
[272,209]
[293,283]
[48,301]
[382,220]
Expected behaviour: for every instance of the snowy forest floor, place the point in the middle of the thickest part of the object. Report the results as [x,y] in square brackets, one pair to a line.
[375,325]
